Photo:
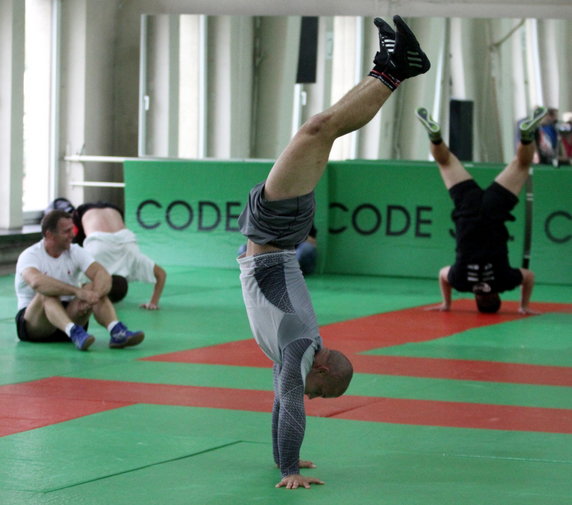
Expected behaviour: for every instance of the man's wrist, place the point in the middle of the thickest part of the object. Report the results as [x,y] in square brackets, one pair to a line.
[290,471]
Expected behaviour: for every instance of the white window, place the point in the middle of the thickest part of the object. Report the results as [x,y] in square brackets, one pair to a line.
[37,100]
[172,93]
[346,73]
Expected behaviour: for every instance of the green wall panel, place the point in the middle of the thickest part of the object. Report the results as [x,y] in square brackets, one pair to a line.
[551,253]
[186,212]
[394,218]
[373,217]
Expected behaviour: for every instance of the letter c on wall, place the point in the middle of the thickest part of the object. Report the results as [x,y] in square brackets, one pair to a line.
[140,210]
[548,222]
[336,205]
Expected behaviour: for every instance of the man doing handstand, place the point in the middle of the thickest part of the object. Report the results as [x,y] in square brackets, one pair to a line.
[278,216]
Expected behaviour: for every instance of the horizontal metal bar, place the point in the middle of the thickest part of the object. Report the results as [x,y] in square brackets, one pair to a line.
[81,158]
[98,184]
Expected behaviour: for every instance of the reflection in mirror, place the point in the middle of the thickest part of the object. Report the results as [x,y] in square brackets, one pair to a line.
[240,86]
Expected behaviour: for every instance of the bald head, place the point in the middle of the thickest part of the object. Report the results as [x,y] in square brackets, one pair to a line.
[330,375]
[340,371]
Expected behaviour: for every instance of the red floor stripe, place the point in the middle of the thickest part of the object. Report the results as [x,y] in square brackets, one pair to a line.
[463,415]
[237,353]
[71,389]
[395,328]
[354,336]
[469,370]
[32,405]
[409,326]
[111,394]
[247,353]
[23,414]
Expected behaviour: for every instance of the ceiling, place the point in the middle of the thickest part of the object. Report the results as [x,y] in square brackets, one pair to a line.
[544,9]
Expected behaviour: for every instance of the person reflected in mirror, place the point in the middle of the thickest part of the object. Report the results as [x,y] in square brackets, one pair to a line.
[481,265]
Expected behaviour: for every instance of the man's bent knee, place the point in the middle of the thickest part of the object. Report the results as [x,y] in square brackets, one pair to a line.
[32,325]
[320,125]
[79,310]
[35,312]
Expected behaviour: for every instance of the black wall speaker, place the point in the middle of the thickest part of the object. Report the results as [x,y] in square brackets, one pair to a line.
[308,51]
[461,129]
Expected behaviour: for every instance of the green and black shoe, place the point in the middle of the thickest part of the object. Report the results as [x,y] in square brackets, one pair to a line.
[530,124]
[432,127]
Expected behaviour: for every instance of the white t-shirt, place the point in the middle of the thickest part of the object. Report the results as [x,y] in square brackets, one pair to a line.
[120,255]
[66,268]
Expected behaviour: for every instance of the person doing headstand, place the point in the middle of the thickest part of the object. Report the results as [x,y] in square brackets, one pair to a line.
[481,265]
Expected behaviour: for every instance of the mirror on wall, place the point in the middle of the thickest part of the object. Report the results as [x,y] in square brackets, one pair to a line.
[239,86]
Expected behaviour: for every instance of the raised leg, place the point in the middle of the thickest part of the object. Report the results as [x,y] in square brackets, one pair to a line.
[451,169]
[516,172]
[299,168]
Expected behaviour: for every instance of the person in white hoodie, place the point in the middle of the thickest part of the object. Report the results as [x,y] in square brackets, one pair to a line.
[100,228]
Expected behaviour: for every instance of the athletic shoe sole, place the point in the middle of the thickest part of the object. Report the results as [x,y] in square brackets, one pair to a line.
[428,123]
[135,339]
[412,56]
[87,343]
[530,124]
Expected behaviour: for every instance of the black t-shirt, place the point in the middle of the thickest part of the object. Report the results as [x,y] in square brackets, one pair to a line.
[499,277]
[481,236]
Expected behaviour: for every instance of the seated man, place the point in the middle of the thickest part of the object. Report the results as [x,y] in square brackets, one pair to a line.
[279,215]
[482,266]
[101,230]
[52,306]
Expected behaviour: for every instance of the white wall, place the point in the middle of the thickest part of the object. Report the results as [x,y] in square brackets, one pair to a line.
[11,112]
[250,108]
[88,104]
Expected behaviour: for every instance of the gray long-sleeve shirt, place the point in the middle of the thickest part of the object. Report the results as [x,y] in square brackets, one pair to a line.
[284,325]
